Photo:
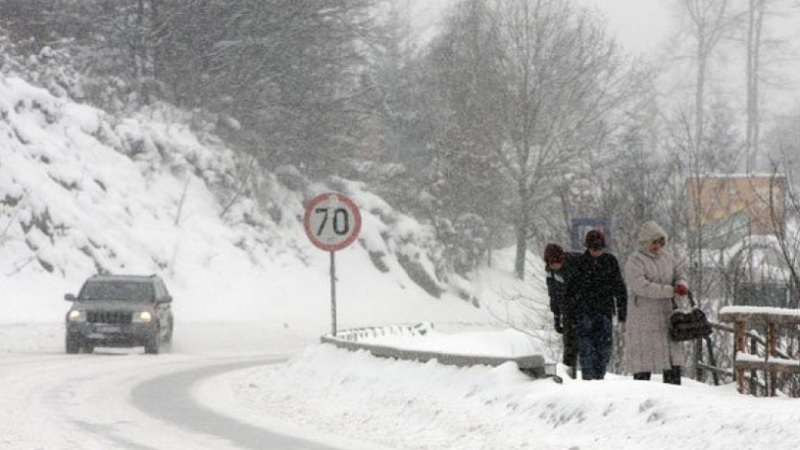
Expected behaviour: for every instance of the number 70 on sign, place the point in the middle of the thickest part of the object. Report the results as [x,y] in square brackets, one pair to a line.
[332,221]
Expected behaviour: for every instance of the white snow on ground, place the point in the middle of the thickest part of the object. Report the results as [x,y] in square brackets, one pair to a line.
[430,406]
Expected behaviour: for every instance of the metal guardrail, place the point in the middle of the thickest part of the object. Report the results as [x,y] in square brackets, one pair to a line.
[532,365]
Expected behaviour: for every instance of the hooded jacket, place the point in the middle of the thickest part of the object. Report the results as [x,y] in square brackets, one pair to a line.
[651,280]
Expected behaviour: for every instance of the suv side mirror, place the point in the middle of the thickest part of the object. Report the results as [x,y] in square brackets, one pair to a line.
[70,297]
[166,299]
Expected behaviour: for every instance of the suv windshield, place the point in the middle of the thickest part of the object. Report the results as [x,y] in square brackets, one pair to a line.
[117,290]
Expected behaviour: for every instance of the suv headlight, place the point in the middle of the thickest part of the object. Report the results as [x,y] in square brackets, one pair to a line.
[142,317]
[76,315]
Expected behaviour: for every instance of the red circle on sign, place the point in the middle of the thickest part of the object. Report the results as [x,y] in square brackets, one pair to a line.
[332,221]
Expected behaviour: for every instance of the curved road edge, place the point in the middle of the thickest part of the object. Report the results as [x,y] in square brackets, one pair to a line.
[184,411]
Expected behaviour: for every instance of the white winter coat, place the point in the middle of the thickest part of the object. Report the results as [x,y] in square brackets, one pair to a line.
[651,280]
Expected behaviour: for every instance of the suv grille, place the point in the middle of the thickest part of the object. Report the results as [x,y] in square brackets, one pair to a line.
[108,317]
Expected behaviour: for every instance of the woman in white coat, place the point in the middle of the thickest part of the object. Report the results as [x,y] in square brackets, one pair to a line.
[654,278]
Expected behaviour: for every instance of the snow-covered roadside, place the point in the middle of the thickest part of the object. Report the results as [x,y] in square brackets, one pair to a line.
[405,405]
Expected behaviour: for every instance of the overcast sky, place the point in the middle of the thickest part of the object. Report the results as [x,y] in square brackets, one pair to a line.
[638,25]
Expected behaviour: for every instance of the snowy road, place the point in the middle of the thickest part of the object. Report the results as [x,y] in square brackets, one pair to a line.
[122,399]
[184,411]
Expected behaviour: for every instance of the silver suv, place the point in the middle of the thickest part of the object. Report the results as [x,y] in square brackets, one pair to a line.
[120,311]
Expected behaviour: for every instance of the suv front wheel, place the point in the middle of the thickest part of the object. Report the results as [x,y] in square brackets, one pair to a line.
[153,343]
[73,344]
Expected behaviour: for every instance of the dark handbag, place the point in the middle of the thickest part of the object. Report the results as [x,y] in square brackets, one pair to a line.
[688,325]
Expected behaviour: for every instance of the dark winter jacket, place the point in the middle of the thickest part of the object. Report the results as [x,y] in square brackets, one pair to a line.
[596,287]
[557,286]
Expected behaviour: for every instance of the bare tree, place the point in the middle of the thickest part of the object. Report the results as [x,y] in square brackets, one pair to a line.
[562,80]
[755,24]
[697,197]
[764,46]
[710,22]
[464,74]
[532,89]
[785,142]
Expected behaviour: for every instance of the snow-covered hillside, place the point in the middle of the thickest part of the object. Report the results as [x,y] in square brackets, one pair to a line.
[82,191]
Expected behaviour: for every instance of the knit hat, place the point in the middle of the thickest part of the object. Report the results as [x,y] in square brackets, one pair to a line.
[595,239]
[553,253]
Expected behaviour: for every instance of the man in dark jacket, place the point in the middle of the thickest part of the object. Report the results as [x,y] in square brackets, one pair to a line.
[598,292]
[559,267]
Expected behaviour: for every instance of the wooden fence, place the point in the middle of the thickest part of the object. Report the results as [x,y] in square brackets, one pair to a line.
[771,361]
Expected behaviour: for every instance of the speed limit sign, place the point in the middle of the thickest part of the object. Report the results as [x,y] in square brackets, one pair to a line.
[332,221]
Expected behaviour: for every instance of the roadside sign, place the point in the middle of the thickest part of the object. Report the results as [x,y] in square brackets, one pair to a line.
[581,225]
[332,221]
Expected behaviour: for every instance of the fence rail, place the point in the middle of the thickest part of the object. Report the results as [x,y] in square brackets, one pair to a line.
[771,360]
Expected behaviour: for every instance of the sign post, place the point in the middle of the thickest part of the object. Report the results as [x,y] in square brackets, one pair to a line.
[332,222]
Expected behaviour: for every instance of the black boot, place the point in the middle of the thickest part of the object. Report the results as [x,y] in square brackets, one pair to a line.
[644,376]
[572,371]
[673,375]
